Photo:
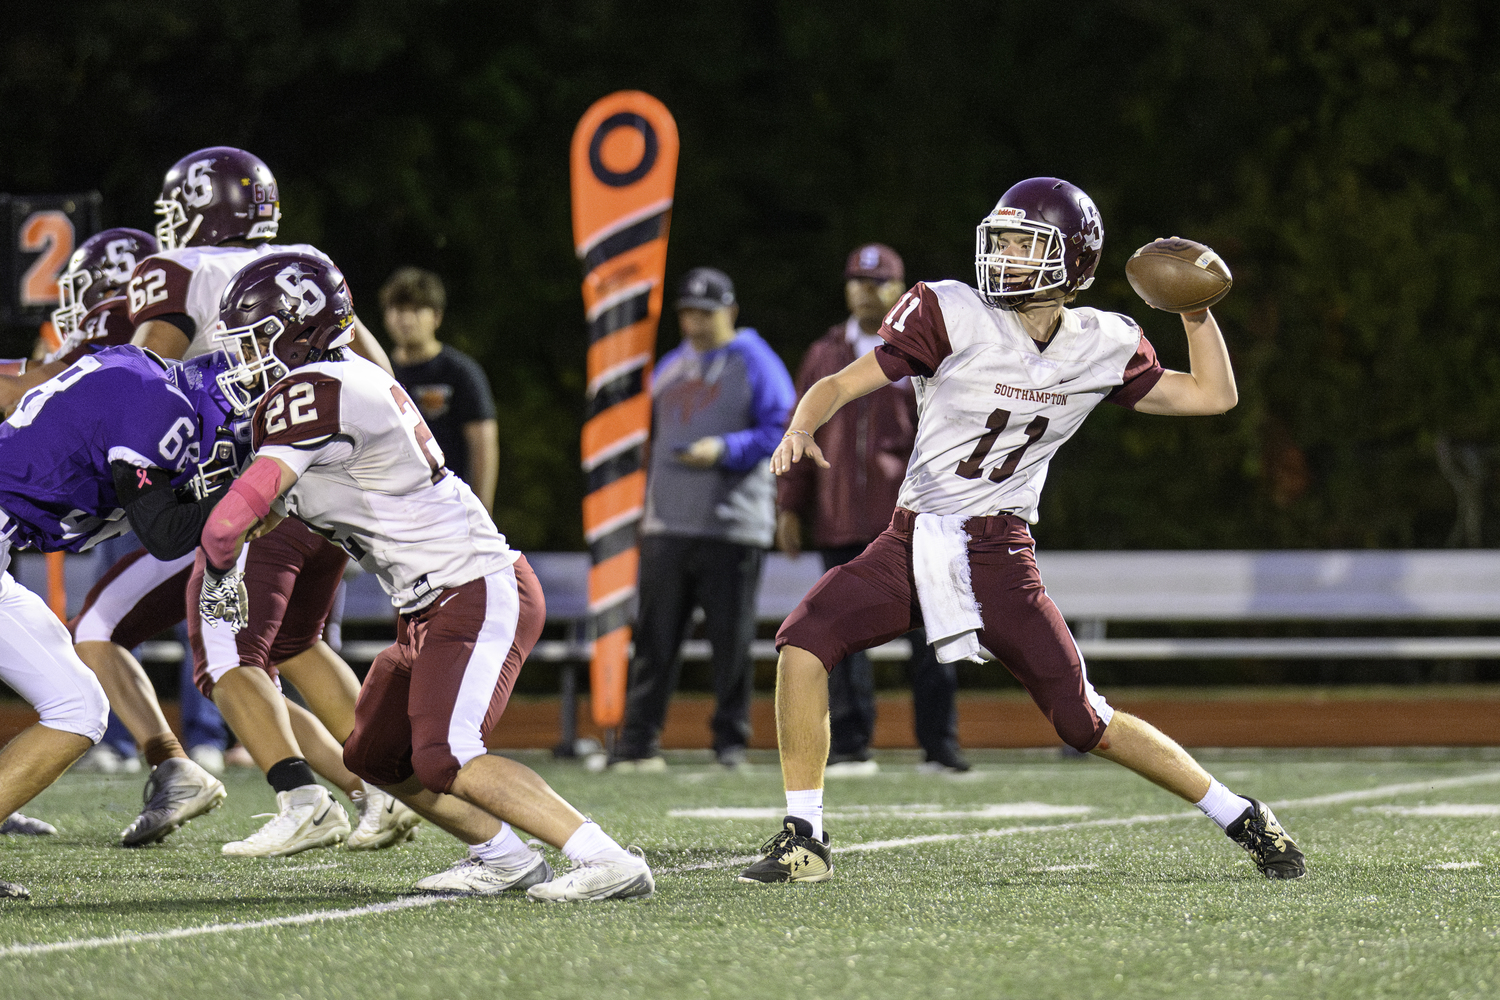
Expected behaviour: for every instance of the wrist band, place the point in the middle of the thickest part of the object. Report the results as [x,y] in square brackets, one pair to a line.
[803,433]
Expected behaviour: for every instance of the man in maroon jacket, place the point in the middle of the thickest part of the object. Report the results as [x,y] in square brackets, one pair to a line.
[848,504]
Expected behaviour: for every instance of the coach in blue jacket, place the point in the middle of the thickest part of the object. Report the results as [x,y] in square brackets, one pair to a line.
[720,402]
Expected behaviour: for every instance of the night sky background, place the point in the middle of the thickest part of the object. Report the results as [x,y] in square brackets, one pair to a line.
[1341,157]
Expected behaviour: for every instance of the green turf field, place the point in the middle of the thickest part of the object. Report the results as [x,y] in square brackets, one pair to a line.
[1032,877]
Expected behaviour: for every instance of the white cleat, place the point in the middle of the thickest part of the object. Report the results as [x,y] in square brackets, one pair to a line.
[306,817]
[484,878]
[177,790]
[105,759]
[208,757]
[26,826]
[384,821]
[621,878]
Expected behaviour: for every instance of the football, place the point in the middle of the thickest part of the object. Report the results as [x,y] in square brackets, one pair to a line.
[1178,275]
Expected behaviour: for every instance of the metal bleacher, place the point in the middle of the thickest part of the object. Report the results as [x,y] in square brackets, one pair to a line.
[1092,589]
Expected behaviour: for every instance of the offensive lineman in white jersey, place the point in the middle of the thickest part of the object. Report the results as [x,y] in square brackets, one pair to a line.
[220,209]
[1005,373]
[343,446]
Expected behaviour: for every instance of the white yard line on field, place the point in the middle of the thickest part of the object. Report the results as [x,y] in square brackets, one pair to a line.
[404,903]
[1384,791]
[409,902]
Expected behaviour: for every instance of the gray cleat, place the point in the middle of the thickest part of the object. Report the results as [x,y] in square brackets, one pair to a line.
[177,790]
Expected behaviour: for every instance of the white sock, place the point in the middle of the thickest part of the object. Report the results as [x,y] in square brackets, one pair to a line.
[590,843]
[504,848]
[807,804]
[1221,805]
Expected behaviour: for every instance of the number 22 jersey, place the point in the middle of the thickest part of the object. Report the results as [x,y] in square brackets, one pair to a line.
[372,479]
[993,405]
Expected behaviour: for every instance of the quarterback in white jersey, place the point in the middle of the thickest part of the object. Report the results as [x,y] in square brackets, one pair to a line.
[342,445]
[1004,373]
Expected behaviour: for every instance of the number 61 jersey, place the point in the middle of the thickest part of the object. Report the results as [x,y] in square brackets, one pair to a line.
[993,405]
[371,478]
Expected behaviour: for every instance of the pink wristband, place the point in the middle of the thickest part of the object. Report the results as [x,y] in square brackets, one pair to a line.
[247,501]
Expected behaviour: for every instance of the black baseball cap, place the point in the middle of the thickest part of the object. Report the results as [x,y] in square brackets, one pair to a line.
[705,288]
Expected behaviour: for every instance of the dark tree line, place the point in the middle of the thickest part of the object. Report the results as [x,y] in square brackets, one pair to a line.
[1341,156]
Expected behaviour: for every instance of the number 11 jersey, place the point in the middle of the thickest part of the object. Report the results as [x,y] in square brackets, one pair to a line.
[993,405]
[371,478]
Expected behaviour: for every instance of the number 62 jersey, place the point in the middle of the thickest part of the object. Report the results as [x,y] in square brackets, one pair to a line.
[993,405]
[371,478]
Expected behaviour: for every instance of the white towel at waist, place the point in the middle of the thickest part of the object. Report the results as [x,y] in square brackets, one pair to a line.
[945,590]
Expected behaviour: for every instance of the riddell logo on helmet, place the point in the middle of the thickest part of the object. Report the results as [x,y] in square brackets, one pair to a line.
[1011,213]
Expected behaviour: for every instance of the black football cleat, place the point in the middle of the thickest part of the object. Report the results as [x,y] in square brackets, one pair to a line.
[9,890]
[792,856]
[1258,831]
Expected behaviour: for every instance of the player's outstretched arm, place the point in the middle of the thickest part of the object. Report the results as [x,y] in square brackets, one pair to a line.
[1209,388]
[826,397]
[242,509]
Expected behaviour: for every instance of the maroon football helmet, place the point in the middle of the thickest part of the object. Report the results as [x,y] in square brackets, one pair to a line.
[214,195]
[1062,235]
[96,276]
[281,312]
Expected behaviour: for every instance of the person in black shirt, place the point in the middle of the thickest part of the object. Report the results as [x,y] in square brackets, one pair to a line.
[447,385]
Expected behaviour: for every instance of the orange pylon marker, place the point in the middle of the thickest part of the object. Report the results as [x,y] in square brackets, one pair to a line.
[624,171]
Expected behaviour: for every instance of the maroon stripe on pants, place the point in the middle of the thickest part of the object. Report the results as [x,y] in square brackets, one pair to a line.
[291,575]
[154,612]
[407,702]
[872,599]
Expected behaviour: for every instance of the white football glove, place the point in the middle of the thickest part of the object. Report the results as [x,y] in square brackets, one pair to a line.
[224,600]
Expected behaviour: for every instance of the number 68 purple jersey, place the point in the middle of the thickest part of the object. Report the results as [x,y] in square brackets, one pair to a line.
[120,404]
[993,405]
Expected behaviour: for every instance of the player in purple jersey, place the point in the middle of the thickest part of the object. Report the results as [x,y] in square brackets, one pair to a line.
[73,472]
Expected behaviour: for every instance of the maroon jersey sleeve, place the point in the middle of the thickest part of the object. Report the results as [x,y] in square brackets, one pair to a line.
[158,287]
[1141,376]
[300,411]
[916,334]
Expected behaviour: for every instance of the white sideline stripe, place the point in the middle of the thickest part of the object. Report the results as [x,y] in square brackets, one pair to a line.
[1452,865]
[1484,777]
[996,810]
[405,903]
[1447,810]
[408,902]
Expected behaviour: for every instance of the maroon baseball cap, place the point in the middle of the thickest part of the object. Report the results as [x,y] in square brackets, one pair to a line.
[875,260]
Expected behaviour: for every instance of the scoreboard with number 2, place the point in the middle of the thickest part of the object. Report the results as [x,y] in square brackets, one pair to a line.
[40,234]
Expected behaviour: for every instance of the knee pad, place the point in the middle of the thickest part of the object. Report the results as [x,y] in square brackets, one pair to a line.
[435,767]
[1078,727]
[91,626]
[84,711]
[369,762]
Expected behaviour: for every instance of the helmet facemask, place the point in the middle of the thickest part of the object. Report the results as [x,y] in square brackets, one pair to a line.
[173,218]
[257,367]
[70,311]
[1007,279]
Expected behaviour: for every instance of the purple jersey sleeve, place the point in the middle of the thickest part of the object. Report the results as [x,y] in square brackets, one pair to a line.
[56,484]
